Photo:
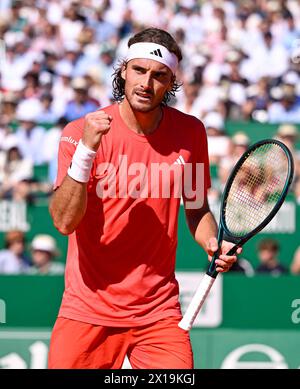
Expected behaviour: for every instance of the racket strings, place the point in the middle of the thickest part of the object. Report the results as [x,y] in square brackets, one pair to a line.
[256,188]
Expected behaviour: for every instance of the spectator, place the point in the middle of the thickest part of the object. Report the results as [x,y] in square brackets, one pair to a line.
[287,108]
[72,23]
[14,170]
[218,141]
[268,250]
[32,85]
[270,58]
[239,59]
[82,103]
[295,265]
[47,114]
[244,266]
[13,259]
[106,63]
[43,253]
[97,90]
[5,133]
[17,21]
[234,85]
[51,145]
[46,35]
[30,136]
[127,25]
[105,30]
[17,64]
[289,135]
[62,90]
[239,144]
[258,98]
[189,103]
[9,105]
[291,33]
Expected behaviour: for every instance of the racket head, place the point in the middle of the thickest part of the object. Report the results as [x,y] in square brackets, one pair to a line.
[255,190]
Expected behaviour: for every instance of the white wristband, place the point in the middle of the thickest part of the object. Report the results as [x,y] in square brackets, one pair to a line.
[82,162]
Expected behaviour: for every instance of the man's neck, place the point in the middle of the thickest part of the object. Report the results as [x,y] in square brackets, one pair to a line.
[44,268]
[272,263]
[140,122]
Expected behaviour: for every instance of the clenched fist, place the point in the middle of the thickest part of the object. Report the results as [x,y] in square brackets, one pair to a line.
[96,124]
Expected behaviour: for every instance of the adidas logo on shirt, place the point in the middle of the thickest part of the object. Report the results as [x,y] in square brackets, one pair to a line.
[179,161]
[157,53]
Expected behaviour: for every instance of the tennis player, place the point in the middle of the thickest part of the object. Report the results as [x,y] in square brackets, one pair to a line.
[119,208]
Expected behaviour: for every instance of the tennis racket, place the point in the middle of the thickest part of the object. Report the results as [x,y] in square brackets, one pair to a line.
[253,194]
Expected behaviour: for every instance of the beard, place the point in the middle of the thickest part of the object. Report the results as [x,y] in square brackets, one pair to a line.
[142,105]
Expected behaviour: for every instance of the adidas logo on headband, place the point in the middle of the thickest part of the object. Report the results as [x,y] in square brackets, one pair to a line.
[154,51]
[157,53]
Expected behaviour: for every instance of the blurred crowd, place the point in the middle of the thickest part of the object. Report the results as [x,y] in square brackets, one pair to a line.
[37,258]
[241,62]
[269,262]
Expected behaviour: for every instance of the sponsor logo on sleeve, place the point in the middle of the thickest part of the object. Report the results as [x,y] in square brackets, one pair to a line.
[69,139]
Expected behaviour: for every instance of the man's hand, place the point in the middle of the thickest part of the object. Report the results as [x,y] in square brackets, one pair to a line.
[224,262]
[96,125]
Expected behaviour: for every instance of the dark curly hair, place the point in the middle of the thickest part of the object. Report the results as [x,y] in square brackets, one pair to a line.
[154,35]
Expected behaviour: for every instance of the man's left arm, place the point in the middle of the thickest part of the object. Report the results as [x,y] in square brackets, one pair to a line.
[203,227]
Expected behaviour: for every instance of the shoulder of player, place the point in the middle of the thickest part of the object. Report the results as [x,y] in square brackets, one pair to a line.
[185,122]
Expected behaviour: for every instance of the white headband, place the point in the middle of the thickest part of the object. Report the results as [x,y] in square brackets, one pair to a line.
[153,51]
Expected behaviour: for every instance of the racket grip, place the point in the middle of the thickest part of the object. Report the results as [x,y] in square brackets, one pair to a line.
[233,250]
[195,305]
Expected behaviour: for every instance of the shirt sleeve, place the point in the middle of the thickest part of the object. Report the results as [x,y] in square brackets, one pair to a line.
[198,181]
[68,142]
[202,155]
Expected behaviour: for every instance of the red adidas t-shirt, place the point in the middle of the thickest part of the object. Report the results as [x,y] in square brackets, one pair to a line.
[121,258]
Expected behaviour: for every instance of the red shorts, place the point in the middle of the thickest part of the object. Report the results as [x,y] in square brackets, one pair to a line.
[160,345]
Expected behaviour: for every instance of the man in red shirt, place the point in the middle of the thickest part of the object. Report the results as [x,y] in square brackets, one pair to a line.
[121,173]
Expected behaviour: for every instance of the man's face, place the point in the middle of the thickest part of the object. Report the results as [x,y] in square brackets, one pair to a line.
[27,125]
[146,82]
[80,95]
[266,255]
[17,247]
[41,257]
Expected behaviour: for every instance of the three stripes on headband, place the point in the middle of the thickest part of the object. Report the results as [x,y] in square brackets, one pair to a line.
[157,53]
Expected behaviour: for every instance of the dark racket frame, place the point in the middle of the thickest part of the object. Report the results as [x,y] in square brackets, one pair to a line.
[225,233]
